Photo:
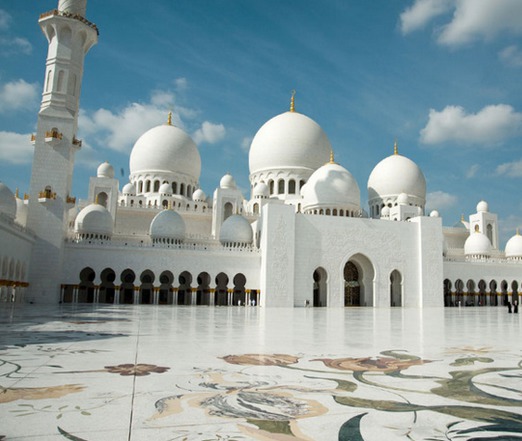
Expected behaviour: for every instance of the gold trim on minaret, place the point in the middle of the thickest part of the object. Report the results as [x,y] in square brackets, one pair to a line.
[292,102]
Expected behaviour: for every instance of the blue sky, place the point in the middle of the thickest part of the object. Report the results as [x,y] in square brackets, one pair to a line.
[441,76]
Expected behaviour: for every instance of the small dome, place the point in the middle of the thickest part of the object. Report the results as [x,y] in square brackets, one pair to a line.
[385,212]
[236,229]
[167,224]
[289,140]
[227,181]
[129,189]
[94,219]
[165,189]
[165,149]
[434,213]
[199,196]
[7,201]
[261,190]
[477,244]
[402,199]
[331,186]
[73,6]
[105,170]
[514,246]
[394,175]
[482,207]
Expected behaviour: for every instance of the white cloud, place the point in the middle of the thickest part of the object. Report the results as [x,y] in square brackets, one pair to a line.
[16,45]
[421,13]
[482,19]
[15,148]
[209,133]
[245,143]
[5,20]
[181,83]
[120,130]
[18,95]
[472,171]
[511,55]
[492,124]
[440,200]
[510,169]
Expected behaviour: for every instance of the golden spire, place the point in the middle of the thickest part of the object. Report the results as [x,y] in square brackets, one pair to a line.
[332,160]
[395,147]
[169,119]
[292,102]
[462,218]
[16,194]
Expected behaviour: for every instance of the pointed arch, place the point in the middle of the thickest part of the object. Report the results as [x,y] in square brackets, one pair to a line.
[396,288]
[320,287]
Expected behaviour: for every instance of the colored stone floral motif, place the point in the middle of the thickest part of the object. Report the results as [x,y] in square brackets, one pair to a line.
[370,364]
[37,393]
[261,359]
[139,370]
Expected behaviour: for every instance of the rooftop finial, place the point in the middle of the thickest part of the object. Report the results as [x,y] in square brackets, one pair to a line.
[395,147]
[332,159]
[462,218]
[169,119]
[518,231]
[292,102]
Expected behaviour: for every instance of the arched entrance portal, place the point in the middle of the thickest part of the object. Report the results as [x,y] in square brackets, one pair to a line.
[358,281]
[320,291]
[395,288]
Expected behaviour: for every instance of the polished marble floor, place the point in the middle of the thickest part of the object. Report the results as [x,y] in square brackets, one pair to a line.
[246,373]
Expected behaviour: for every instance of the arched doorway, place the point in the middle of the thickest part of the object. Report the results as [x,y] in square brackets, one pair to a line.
[107,291]
[86,288]
[320,287]
[470,293]
[127,287]
[395,288]
[239,296]
[203,290]
[483,300]
[147,287]
[447,293]
[459,292]
[358,281]
[514,292]
[165,292]
[504,292]
[493,297]
[221,295]
[184,290]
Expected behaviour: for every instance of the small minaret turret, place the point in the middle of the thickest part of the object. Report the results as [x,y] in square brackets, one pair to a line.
[70,36]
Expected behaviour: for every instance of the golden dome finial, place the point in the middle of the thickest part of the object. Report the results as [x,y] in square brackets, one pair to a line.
[16,194]
[292,102]
[462,218]
[518,231]
[332,159]
[395,147]
[169,119]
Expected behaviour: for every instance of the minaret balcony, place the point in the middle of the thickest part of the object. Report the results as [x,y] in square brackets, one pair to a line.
[33,138]
[77,142]
[53,137]
[46,195]
[70,200]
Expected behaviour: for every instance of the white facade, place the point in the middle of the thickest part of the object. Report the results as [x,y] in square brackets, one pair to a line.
[303,238]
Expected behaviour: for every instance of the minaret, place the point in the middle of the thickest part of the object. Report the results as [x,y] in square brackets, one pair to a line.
[70,36]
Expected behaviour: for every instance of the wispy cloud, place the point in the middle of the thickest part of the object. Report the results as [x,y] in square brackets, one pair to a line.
[245,143]
[511,56]
[472,171]
[5,20]
[209,133]
[9,44]
[510,169]
[472,20]
[421,13]
[492,124]
[17,95]
[15,148]
[440,200]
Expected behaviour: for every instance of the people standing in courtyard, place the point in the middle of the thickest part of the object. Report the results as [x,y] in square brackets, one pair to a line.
[515,306]
[509,307]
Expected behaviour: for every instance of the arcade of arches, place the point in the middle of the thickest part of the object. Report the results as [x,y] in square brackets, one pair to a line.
[481,293]
[148,289]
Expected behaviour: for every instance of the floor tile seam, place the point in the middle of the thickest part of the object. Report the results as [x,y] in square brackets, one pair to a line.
[134,378]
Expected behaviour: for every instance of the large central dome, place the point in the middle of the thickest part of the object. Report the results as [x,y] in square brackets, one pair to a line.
[289,140]
[165,149]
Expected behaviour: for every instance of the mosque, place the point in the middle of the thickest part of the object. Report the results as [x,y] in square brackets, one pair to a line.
[301,238]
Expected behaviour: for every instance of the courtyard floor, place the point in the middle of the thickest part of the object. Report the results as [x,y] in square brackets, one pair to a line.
[161,373]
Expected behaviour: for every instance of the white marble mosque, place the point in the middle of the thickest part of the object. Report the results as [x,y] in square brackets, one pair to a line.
[302,237]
